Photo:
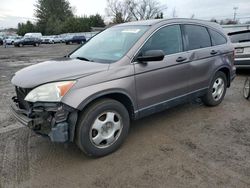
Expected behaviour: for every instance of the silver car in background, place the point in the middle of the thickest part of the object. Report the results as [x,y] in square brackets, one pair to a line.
[241,42]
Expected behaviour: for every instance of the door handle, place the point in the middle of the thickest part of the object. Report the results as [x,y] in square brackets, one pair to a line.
[213,52]
[181,59]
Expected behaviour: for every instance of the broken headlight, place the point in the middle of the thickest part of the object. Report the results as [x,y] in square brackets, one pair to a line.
[51,92]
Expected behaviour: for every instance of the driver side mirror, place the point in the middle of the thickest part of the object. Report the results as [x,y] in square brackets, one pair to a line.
[151,55]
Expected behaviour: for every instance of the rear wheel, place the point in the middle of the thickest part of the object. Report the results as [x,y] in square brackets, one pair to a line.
[102,127]
[216,91]
[246,89]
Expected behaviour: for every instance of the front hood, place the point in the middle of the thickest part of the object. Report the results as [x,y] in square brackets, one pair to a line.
[56,70]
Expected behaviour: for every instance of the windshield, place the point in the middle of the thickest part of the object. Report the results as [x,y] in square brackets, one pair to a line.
[110,45]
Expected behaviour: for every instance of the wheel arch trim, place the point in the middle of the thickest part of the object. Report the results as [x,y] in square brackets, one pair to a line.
[108,93]
[228,75]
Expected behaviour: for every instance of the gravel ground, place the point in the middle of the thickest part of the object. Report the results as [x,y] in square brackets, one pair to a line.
[188,146]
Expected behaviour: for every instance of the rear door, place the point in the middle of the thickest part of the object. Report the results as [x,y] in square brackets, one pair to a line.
[159,81]
[199,46]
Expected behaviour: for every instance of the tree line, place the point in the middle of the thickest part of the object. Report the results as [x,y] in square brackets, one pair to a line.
[56,17]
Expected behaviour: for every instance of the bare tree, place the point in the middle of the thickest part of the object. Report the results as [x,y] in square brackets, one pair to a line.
[128,10]
[229,21]
[214,20]
[118,10]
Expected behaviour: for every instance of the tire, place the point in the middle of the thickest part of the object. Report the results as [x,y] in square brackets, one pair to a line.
[246,89]
[21,45]
[102,127]
[216,91]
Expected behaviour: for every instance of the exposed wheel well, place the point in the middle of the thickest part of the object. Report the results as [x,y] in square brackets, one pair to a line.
[122,98]
[227,73]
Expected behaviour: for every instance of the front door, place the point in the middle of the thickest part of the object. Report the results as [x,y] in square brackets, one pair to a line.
[166,80]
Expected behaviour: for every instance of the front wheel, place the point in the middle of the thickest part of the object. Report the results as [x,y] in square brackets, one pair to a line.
[216,91]
[102,127]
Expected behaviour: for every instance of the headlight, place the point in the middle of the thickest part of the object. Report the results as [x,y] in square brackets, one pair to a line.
[52,92]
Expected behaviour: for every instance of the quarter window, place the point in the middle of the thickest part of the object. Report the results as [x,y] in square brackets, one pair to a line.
[196,37]
[217,38]
[167,39]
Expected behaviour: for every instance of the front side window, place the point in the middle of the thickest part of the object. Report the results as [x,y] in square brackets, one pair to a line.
[167,39]
[111,44]
[217,38]
[196,37]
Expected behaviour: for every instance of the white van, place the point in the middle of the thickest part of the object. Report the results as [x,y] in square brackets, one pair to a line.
[33,35]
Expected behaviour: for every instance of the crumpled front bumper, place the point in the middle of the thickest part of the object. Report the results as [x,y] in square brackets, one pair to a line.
[22,115]
[49,119]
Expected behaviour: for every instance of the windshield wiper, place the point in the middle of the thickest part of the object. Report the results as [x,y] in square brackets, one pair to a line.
[84,59]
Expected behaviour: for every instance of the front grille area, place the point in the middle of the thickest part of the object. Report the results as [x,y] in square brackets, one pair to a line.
[21,94]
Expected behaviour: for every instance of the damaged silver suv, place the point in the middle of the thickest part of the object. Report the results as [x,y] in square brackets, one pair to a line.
[124,73]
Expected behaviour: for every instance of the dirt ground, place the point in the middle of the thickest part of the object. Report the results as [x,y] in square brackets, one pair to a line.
[188,146]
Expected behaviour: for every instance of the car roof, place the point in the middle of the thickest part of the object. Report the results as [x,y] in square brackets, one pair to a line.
[169,21]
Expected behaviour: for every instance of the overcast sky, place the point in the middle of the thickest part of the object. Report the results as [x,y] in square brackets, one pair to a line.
[14,11]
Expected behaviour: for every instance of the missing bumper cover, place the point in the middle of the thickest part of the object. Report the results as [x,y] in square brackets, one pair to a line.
[55,120]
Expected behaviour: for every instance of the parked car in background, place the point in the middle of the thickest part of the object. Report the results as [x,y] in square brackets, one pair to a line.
[241,42]
[53,39]
[45,39]
[75,39]
[126,72]
[57,39]
[27,41]
[1,40]
[10,40]
[33,35]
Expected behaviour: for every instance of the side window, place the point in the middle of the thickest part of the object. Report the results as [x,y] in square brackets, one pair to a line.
[217,38]
[167,39]
[196,37]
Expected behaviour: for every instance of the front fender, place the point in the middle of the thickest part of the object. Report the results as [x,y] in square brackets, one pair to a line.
[78,98]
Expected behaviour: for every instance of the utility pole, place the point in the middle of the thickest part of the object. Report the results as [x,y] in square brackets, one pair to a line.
[174,15]
[235,12]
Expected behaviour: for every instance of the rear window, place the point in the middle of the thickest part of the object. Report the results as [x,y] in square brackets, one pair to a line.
[196,37]
[217,38]
[240,37]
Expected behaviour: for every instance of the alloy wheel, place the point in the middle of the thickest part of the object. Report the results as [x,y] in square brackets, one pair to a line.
[218,89]
[106,129]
